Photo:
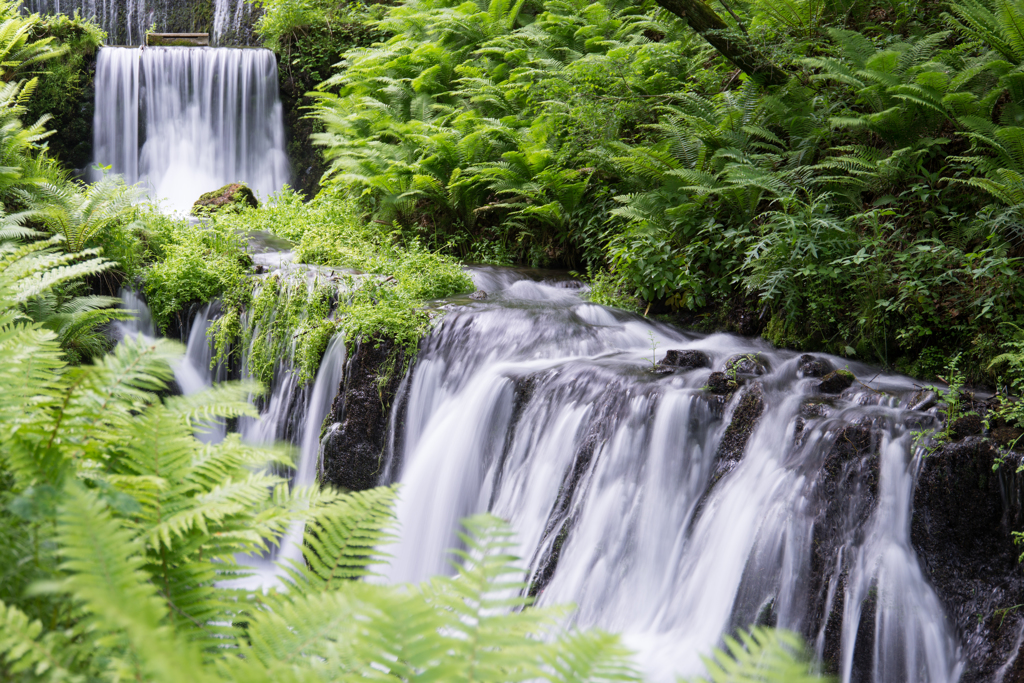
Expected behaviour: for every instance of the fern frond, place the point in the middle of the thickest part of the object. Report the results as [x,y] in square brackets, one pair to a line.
[342,540]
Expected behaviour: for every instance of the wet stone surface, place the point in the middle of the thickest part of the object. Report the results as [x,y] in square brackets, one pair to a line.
[686,360]
[961,531]
[354,447]
[812,366]
[836,382]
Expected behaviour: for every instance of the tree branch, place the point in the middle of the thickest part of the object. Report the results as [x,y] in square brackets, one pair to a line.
[735,48]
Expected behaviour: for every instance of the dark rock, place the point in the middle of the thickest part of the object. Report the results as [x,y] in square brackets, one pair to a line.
[812,366]
[228,198]
[836,382]
[721,383]
[688,359]
[965,426]
[815,408]
[744,419]
[747,365]
[1007,436]
[844,495]
[478,295]
[354,449]
[963,515]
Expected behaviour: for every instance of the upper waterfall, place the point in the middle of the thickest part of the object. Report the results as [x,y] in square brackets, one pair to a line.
[189,120]
[127,21]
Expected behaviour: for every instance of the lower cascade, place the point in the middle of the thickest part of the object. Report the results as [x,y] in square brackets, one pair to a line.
[185,120]
[659,508]
[674,487]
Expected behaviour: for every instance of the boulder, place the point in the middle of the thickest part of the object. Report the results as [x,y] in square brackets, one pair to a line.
[686,360]
[747,365]
[354,448]
[812,366]
[231,197]
[962,427]
[836,382]
[843,496]
[744,419]
[721,383]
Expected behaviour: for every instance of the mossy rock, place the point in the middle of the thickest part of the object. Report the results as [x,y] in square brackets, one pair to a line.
[233,197]
[836,382]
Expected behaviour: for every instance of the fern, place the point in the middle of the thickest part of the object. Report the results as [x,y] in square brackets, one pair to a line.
[761,655]
[342,539]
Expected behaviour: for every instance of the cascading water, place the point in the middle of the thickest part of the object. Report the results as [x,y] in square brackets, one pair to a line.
[126,22]
[627,489]
[548,412]
[185,121]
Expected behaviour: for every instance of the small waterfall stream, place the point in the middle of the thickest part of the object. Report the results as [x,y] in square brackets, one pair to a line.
[185,121]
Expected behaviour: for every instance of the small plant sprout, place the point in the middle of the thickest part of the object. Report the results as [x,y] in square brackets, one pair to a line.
[654,350]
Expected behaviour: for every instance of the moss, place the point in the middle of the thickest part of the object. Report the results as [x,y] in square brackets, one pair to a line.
[231,197]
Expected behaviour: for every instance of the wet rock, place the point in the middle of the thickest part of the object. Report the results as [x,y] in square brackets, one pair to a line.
[747,365]
[815,408]
[721,383]
[687,359]
[744,419]
[925,399]
[354,448]
[965,426]
[478,295]
[963,515]
[812,366]
[836,382]
[232,197]
[844,495]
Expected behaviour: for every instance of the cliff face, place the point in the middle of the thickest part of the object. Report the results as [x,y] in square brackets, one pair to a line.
[356,441]
[964,513]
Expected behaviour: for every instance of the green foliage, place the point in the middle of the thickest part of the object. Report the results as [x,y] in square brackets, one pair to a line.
[392,277]
[82,213]
[763,654]
[64,91]
[190,263]
[475,121]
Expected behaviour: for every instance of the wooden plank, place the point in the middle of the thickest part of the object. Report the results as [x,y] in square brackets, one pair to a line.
[178,39]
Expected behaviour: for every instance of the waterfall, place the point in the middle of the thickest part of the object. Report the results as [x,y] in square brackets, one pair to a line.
[628,490]
[127,21]
[185,121]
[548,411]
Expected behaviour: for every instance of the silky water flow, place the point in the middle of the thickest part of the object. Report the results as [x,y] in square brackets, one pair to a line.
[187,120]
[548,411]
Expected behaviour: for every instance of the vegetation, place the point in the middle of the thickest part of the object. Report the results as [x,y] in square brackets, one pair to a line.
[881,171]
[853,173]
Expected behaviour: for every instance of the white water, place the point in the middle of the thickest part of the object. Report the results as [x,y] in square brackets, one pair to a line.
[184,121]
[618,461]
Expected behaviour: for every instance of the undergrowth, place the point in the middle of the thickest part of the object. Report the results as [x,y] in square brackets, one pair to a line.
[375,287]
